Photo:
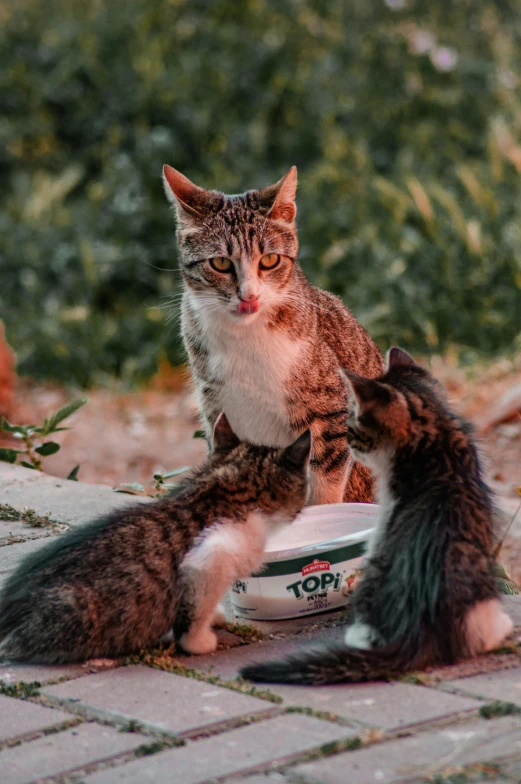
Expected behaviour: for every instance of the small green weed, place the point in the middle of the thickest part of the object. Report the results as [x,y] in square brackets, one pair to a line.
[158,745]
[316,714]
[245,631]
[160,486]
[28,516]
[498,708]
[21,689]
[33,438]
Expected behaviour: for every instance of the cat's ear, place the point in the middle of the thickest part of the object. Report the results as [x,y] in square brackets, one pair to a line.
[397,356]
[280,198]
[360,388]
[224,439]
[297,454]
[188,199]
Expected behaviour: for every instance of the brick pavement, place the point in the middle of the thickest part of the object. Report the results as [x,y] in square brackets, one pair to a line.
[106,722]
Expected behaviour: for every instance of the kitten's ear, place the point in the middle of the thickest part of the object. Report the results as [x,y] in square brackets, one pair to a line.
[360,388]
[280,198]
[297,454]
[224,439]
[187,198]
[397,356]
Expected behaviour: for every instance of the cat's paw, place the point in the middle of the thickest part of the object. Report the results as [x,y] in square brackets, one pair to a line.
[219,618]
[199,641]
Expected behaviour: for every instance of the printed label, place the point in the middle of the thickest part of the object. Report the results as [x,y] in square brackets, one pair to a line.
[316,566]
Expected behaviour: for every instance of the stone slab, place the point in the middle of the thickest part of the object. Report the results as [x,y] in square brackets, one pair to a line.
[503,685]
[273,778]
[66,502]
[417,757]
[12,554]
[159,700]
[237,751]
[513,608]
[63,752]
[226,664]
[44,673]
[388,706]
[20,530]
[19,717]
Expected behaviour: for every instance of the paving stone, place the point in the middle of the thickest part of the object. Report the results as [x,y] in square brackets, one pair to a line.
[503,685]
[12,554]
[9,529]
[389,706]
[513,608]
[63,752]
[66,502]
[226,664]
[237,751]
[19,717]
[159,700]
[12,673]
[417,757]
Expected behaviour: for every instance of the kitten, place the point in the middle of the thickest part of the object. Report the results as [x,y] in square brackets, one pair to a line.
[428,593]
[263,344]
[115,585]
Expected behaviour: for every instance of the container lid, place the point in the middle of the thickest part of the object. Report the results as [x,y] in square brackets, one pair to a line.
[321,528]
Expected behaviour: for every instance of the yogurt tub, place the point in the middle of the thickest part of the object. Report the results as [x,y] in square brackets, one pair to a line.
[308,564]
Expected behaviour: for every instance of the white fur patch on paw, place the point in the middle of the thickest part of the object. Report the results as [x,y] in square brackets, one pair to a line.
[487,625]
[359,635]
[199,641]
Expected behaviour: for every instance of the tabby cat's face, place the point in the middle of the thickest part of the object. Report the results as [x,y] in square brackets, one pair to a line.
[237,253]
[394,410]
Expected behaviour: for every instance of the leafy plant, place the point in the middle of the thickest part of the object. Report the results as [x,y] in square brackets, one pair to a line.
[160,487]
[33,438]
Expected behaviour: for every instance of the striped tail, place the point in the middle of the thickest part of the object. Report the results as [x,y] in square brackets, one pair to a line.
[336,664]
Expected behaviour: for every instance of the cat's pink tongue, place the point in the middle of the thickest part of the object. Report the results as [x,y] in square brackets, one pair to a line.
[249,307]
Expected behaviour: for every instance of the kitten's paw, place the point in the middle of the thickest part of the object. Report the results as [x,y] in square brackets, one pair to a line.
[219,618]
[199,641]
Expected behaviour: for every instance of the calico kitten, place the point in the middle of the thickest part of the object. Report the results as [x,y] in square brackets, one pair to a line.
[428,592]
[115,585]
[263,344]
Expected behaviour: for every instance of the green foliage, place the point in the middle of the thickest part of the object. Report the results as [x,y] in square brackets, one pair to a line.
[160,487]
[31,435]
[494,710]
[404,124]
[21,689]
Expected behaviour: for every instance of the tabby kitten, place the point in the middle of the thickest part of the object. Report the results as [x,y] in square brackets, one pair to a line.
[263,344]
[116,585]
[428,592]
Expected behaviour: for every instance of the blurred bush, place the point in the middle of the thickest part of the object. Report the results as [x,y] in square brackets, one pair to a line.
[403,117]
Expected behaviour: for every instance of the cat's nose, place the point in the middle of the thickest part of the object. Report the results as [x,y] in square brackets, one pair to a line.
[248,296]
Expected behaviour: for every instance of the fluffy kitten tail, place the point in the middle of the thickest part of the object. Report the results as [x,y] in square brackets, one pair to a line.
[334,664]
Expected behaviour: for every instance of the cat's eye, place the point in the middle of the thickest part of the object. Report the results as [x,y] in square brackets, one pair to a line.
[220,264]
[269,261]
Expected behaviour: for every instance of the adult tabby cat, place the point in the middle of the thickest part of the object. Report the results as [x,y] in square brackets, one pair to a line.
[264,345]
[121,582]
[428,593]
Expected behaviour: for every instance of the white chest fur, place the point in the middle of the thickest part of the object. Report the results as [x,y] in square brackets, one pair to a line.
[253,364]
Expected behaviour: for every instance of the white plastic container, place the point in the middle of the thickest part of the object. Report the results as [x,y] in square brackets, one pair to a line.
[308,564]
